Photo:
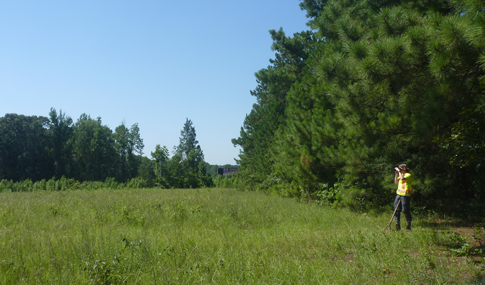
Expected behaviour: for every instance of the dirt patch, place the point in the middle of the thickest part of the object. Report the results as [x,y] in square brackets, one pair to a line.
[472,244]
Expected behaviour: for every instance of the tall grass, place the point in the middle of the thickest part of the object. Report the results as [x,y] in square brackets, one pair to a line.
[211,236]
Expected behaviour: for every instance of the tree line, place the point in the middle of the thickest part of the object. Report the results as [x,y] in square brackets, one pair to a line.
[59,153]
[373,84]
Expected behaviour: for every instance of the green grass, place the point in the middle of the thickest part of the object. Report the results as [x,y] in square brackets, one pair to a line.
[212,236]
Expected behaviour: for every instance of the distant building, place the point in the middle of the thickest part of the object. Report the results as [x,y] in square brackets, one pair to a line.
[227,170]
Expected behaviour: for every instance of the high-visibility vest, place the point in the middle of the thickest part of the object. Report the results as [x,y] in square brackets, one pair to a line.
[405,187]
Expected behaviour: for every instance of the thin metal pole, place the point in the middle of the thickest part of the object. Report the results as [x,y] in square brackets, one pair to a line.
[395,210]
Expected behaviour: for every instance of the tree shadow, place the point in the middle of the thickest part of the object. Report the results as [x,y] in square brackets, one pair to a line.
[464,239]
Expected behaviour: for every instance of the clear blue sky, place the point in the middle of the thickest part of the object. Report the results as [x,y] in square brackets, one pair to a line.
[154,63]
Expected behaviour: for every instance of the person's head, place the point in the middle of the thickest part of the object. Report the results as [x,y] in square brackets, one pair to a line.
[403,167]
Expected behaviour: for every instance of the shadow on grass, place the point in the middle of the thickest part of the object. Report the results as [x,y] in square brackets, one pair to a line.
[462,238]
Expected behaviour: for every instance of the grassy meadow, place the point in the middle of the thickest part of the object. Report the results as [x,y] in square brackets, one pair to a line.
[216,236]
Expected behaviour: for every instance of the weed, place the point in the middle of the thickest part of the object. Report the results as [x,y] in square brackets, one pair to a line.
[180,210]
[450,239]
[102,272]
[479,235]
[133,215]
[133,244]
[233,211]
[197,209]
[464,250]
[54,211]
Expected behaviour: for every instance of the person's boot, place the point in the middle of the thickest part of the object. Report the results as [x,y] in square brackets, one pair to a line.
[398,227]
[408,227]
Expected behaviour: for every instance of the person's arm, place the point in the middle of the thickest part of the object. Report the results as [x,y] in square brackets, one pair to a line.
[401,176]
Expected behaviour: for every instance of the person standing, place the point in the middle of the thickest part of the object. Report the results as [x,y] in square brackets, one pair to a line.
[404,181]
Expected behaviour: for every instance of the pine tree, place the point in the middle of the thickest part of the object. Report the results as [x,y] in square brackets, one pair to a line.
[188,140]
[388,83]
[257,136]
[185,166]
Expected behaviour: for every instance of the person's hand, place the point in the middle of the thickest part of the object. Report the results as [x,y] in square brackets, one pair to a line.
[396,169]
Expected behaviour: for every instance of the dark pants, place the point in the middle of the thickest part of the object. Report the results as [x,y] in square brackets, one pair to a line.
[404,207]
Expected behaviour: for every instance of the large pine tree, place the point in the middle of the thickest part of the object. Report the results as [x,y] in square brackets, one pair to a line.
[257,136]
[385,82]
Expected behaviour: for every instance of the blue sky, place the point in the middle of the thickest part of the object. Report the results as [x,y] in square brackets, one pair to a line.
[154,63]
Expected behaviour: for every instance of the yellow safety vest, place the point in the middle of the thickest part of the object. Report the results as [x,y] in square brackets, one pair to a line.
[405,187]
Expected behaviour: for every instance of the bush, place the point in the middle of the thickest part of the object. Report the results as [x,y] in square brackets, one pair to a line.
[228,181]
[137,182]
[40,185]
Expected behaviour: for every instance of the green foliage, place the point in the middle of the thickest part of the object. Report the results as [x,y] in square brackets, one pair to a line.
[188,139]
[123,148]
[61,136]
[38,148]
[186,168]
[378,83]
[102,271]
[161,157]
[37,153]
[24,148]
[65,184]
[147,171]
[228,181]
[257,135]
[94,150]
